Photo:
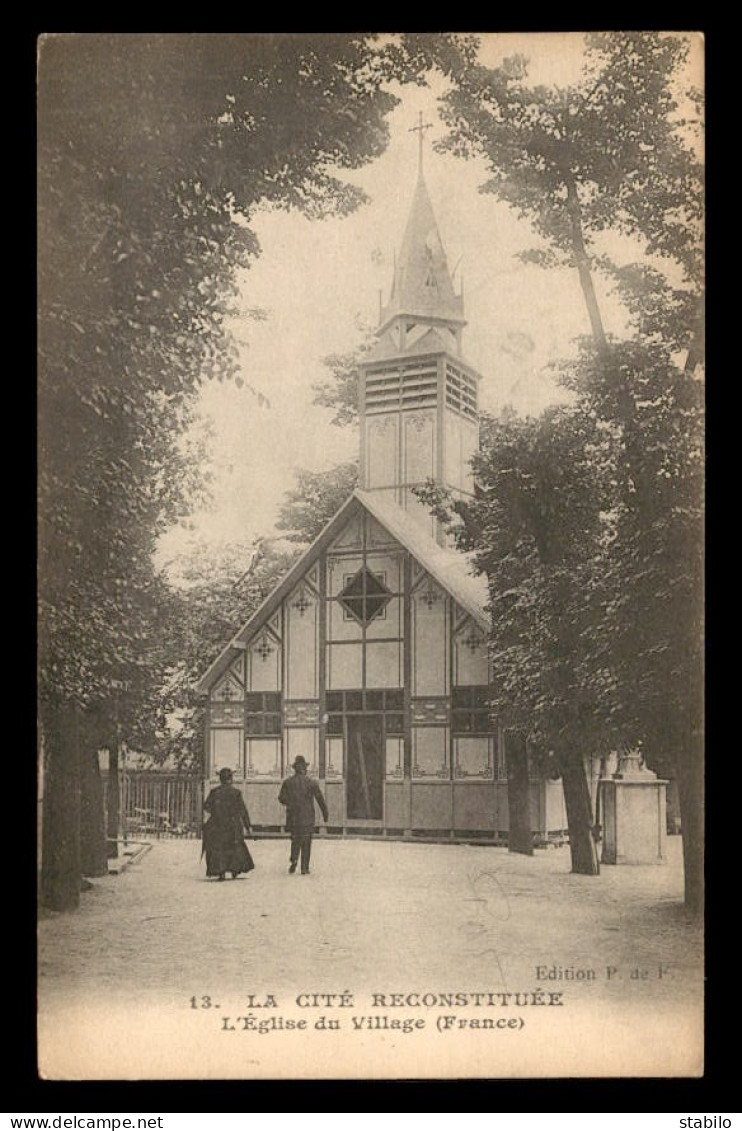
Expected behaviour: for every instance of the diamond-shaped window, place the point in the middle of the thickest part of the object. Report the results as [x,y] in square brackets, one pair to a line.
[365,596]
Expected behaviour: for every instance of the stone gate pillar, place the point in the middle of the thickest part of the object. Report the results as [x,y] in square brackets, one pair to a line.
[634,817]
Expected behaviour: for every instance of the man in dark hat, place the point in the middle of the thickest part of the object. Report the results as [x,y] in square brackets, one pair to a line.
[299,794]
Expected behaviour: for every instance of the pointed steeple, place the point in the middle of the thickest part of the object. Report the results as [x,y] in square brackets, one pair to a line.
[418,397]
[422,289]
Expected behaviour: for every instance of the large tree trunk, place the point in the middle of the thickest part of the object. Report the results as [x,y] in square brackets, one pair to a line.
[60,854]
[697,348]
[582,844]
[520,836]
[93,854]
[114,800]
[689,749]
[690,771]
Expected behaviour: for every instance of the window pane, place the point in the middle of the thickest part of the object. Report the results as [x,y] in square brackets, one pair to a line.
[353,607]
[226,749]
[383,663]
[272,724]
[395,723]
[344,665]
[461,722]
[480,696]
[374,606]
[335,724]
[264,757]
[473,757]
[353,588]
[461,696]
[470,657]
[304,741]
[364,596]
[334,755]
[430,752]
[481,722]
[500,761]
[394,758]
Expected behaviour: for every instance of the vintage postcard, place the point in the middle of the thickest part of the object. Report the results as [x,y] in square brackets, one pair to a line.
[371,505]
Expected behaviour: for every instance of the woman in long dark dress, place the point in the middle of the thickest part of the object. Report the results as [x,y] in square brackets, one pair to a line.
[224,832]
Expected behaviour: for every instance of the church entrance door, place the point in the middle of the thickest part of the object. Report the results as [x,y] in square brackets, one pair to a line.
[364,799]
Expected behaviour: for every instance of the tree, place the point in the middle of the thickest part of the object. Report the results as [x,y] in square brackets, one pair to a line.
[537,530]
[612,153]
[318,495]
[649,589]
[341,391]
[214,598]
[154,151]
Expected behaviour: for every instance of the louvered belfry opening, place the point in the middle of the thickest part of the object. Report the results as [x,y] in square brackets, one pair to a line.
[461,392]
[412,385]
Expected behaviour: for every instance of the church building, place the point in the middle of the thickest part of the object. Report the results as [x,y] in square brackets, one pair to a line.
[370,656]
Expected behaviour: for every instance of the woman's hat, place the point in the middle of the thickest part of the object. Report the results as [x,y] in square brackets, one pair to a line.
[225,775]
[299,760]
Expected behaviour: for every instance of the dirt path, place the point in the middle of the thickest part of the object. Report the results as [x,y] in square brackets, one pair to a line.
[372,918]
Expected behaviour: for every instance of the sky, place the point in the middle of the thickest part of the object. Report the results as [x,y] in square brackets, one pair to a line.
[319,284]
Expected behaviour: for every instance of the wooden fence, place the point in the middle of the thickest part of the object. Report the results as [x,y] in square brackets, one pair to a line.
[161,804]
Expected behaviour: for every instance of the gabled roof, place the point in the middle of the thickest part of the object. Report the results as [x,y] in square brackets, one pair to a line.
[451,569]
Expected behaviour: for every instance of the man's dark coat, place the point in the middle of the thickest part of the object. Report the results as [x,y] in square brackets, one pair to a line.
[299,794]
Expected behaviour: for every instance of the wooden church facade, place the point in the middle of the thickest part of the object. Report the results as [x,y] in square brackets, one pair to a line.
[375,668]
[370,657]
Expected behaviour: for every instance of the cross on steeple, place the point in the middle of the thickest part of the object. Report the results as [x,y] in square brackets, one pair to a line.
[420,129]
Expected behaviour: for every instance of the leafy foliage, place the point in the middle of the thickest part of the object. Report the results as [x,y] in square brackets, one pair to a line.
[537,530]
[217,600]
[154,152]
[340,392]
[610,153]
[588,524]
[649,587]
[616,138]
[593,549]
[312,503]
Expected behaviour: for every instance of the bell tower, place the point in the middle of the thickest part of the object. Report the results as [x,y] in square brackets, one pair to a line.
[418,396]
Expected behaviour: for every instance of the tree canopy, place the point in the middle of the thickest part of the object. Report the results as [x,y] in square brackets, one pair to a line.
[218,596]
[611,153]
[311,504]
[589,521]
[154,151]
